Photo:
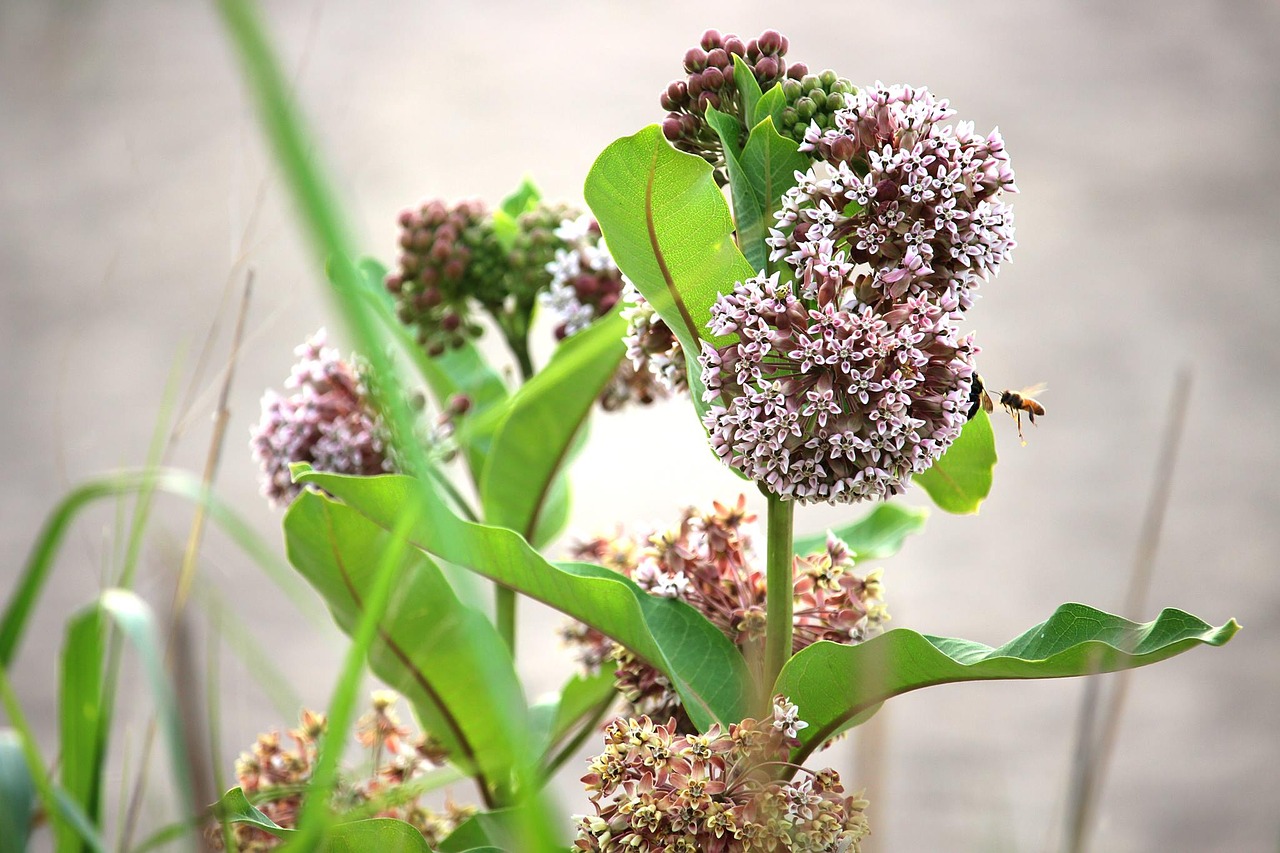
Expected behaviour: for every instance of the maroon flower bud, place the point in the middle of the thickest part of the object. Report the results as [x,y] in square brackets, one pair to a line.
[771,42]
[711,39]
[435,349]
[587,287]
[843,149]
[607,302]
[712,78]
[407,218]
[734,46]
[451,322]
[429,276]
[708,99]
[455,269]
[431,297]
[719,58]
[671,128]
[695,59]
[886,190]
[768,68]
[797,70]
[395,283]
[561,332]
[440,251]
[460,404]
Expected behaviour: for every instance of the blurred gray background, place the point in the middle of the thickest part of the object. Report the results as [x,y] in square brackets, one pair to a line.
[135,188]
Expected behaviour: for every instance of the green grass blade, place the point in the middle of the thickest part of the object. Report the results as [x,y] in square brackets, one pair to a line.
[17,792]
[84,720]
[35,573]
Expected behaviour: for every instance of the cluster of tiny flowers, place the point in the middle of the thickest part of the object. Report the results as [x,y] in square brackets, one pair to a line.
[651,345]
[656,789]
[326,421]
[708,560]
[832,403]
[710,83]
[275,776]
[586,284]
[916,200]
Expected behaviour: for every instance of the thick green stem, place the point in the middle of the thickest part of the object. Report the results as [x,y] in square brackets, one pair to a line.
[504,611]
[781,592]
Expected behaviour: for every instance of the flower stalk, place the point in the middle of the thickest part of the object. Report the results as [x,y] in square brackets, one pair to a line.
[780,590]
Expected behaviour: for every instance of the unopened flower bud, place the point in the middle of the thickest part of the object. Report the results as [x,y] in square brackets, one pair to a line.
[711,39]
[695,59]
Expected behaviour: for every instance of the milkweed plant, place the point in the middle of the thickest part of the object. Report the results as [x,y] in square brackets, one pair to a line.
[790,255]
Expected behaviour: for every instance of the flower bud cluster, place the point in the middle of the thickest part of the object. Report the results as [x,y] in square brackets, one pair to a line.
[709,561]
[813,99]
[447,256]
[651,345]
[326,421]
[657,789]
[274,776]
[710,83]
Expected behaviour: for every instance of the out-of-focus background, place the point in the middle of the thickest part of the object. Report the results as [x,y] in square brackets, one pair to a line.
[135,188]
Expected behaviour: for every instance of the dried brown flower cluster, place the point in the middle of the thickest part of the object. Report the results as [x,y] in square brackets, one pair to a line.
[655,789]
[708,560]
[275,777]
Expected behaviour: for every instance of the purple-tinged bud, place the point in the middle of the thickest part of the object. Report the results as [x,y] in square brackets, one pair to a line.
[797,70]
[451,322]
[771,42]
[843,149]
[712,78]
[708,99]
[407,218]
[435,349]
[734,46]
[886,190]
[431,297]
[460,404]
[695,85]
[711,39]
[455,269]
[441,250]
[695,59]
[671,128]
[719,58]
[561,332]
[395,283]
[768,68]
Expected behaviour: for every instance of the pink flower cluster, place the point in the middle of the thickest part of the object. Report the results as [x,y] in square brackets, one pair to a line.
[327,422]
[709,561]
[655,789]
[845,373]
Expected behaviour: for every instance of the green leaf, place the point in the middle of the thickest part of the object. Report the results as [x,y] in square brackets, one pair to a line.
[748,90]
[703,665]
[83,721]
[770,105]
[537,432]
[482,831]
[17,792]
[961,479]
[380,834]
[669,228]
[877,535]
[836,685]
[758,179]
[234,807]
[446,658]
[523,199]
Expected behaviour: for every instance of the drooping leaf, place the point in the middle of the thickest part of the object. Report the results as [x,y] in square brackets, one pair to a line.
[83,720]
[17,791]
[533,442]
[836,685]
[875,536]
[669,228]
[445,657]
[703,665]
[961,480]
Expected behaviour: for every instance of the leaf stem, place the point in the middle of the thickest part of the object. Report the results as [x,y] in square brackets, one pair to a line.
[781,591]
[504,613]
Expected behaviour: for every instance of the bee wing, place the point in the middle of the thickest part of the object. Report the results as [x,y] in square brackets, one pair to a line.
[1034,390]
[987,405]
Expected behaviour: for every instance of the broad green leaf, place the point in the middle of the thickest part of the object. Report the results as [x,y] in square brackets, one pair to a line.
[17,791]
[234,807]
[446,658]
[961,479]
[375,835]
[555,717]
[83,720]
[482,831]
[537,432]
[703,665]
[758,178]
[835,685]
[877,535]
[669,228]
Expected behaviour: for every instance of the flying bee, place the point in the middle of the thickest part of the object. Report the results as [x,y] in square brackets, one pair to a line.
[1016,402]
